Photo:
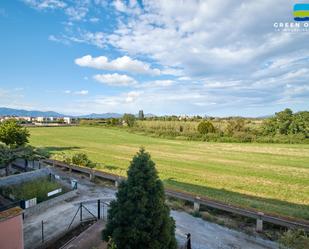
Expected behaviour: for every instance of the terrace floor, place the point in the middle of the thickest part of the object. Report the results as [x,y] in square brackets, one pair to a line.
[205,235]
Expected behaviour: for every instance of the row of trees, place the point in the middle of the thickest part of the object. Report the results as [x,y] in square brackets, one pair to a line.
[286,122]
[127,119]
[283,124]
[283,127]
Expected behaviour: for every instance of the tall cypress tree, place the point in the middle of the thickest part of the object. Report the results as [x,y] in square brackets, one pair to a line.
[139,217]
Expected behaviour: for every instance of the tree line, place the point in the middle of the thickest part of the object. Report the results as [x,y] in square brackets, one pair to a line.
[283,127]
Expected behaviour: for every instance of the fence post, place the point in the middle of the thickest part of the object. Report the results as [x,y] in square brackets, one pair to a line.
[99,209]
[42,231]
[81,212]
[188,244]
[103,210]
[259,222]
[197,204]
[116,183]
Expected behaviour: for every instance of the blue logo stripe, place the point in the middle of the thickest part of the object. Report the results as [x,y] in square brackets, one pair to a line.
[301,19]
[301,6]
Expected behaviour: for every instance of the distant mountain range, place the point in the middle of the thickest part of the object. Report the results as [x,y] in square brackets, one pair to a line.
[16,112]
[4,111]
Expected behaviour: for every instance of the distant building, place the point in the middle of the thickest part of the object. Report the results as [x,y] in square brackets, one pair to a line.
[141,114]
[28,119]
[44,119]
[40,119]
[67,120]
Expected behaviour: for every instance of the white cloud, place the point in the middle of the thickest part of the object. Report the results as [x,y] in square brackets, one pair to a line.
[156,84]
[94,19]
[77,13]
[60,40]
[96,38]
[124,63]
[115,79]
[81,92]
[211,58]
[120,6]
[195,37]
[46,4]
[132,96]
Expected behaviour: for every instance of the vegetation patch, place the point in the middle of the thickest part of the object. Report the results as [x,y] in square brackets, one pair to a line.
[37,188]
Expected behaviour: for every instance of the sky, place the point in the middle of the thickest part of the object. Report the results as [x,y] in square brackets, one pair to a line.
[211,57]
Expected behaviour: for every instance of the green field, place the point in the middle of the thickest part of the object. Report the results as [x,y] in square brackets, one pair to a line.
[273,178]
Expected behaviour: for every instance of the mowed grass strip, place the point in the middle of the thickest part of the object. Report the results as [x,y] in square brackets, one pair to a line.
[273,178]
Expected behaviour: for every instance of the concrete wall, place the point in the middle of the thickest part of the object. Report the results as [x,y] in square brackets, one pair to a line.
[49,203]
[11,231]
[24,177]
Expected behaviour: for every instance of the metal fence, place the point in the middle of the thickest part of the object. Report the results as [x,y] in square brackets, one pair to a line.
[63,220]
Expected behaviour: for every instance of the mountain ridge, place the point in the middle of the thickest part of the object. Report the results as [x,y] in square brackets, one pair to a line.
[5,111]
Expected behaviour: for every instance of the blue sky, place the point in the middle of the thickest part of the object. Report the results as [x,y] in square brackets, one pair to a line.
[165,57]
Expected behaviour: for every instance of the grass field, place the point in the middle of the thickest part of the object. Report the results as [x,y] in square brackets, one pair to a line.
[273,178]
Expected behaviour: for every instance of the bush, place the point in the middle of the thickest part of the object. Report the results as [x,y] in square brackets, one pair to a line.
[244,136]
[13,134]
[294,239]
[129,119]
[82,159]
[205,127]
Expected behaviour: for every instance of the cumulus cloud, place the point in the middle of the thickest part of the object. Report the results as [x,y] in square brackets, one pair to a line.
[124,63]
[196,37]
[115,79]
[214,61]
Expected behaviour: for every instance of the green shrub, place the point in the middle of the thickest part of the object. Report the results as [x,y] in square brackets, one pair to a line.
[82,159]
[205,127]
[196,214]
[294,239]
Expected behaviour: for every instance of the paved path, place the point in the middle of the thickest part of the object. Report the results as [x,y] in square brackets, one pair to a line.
[205,235]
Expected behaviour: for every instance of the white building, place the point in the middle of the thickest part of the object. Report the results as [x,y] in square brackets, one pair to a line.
[67,120]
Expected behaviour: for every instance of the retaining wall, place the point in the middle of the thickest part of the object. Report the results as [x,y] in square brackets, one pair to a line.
[24,177]
[49,203]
